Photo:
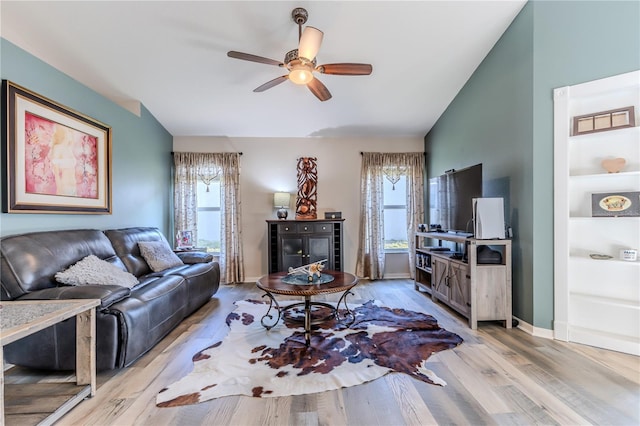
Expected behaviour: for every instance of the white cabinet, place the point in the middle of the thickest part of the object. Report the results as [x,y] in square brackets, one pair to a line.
[480,292]
[597,302]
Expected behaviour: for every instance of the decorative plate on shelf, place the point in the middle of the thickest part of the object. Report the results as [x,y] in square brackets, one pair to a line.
[598,256]
[615,204]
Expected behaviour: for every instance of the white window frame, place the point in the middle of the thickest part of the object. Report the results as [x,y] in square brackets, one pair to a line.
[212,209]
[395,207]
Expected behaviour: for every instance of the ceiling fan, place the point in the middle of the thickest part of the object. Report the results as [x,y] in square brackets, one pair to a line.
[301,62]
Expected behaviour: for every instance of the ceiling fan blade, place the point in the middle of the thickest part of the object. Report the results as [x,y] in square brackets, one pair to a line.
[345,69]
[310,42]
[253,58]
[270,84]
[319,89]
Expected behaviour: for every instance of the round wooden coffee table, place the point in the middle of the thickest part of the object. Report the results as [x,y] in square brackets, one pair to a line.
[273,284]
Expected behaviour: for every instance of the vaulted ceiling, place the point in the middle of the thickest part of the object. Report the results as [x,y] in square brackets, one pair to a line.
[171,56]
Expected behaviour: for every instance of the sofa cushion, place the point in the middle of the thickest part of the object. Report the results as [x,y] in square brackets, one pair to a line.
[125,243]
[158,255]
[93,270]
[152,310]
[28,262]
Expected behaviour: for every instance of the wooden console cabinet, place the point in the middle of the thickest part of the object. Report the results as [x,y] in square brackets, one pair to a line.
[293,243]
[480,292]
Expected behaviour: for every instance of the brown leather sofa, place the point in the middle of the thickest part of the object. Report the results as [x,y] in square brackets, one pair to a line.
[129,321]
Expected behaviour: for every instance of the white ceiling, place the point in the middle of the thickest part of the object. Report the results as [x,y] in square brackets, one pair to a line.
[171,57]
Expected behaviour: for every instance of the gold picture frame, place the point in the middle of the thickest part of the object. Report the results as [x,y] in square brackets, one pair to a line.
[55,160]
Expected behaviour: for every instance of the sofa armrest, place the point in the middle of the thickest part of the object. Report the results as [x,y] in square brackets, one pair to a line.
[191,257]
[108,294]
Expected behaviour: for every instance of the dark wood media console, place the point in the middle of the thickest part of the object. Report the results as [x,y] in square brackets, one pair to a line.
[293,243]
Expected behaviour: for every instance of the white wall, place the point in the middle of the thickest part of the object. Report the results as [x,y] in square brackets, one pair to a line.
[268,165]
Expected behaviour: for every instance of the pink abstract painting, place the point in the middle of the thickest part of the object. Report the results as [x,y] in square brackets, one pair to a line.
[59,160]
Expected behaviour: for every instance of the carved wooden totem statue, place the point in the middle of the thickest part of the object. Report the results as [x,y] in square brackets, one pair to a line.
[307,188]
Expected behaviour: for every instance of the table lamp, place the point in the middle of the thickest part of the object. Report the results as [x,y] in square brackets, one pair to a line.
[281,201]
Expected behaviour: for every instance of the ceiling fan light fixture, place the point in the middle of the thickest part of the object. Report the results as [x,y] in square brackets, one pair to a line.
[301,74]
[310,42]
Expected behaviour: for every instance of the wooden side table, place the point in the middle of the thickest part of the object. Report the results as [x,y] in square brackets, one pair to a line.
[19,319]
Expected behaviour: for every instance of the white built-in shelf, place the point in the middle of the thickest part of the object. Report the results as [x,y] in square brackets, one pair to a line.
[631,219]
[614,260]
[609,134]
[596,302]
[601,175]
[611,301]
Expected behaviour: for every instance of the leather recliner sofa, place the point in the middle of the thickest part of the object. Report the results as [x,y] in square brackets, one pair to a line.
[129,321]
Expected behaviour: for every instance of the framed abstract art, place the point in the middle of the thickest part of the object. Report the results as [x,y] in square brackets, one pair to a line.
[55,160]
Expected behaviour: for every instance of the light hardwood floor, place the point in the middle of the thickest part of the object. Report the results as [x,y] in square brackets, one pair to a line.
[497,376]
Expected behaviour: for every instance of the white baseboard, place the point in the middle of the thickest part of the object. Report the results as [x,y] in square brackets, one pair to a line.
[600,339]
[534,331]
[400,276]
[561,330]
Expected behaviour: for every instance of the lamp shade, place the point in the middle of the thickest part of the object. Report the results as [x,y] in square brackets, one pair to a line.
[281,200]
[310,43]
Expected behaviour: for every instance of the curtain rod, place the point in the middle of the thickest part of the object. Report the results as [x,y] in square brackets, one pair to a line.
[424,153]
[239,153]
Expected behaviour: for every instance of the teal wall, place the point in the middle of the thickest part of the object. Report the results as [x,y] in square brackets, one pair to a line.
[503,117]
[141,152]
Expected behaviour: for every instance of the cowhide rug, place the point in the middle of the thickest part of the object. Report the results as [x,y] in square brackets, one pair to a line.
[269,363]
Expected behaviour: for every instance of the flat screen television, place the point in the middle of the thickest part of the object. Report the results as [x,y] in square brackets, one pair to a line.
[450,198]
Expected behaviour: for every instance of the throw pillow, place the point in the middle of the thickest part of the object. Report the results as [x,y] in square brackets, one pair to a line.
[158,255]
[93,270]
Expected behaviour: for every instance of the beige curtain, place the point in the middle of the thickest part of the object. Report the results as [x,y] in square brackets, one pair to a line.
[185,202]
[231,253]
[414,164]
[191,167]
[370,262]
[375,168]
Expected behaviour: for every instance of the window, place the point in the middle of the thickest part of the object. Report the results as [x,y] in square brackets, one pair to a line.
[395,215]
[209,216]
